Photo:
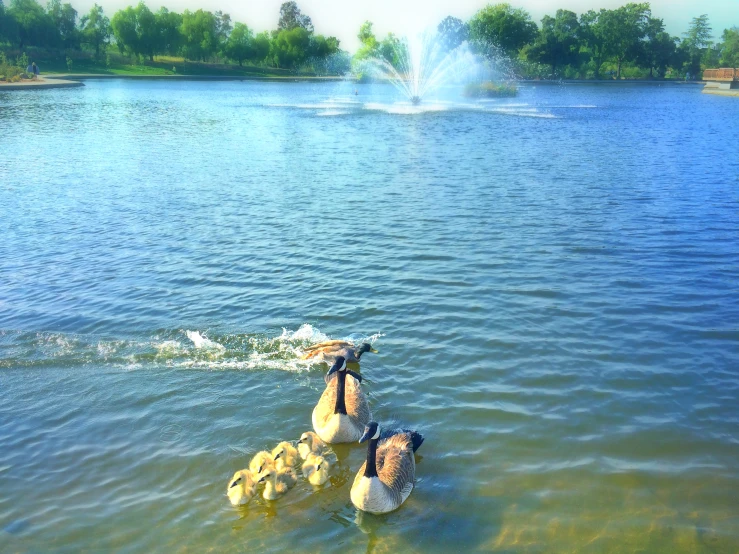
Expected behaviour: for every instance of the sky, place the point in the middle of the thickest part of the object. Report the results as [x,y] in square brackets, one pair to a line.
[342,18]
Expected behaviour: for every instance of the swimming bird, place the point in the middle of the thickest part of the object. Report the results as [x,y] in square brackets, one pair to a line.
[284,455]
[310,443]
[315,469]
[260,460]
[277,482]
[330,350]
[385,480]
[241,488]
[342,411]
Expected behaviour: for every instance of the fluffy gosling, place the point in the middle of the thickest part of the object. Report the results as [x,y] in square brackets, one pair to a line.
[315,469]
[241,487]
[260,461]
[277,482]
[285,455]
[310,443]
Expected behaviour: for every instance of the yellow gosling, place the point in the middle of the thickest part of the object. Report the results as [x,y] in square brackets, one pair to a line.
[260,461]
[316,469]
[277,482]
[241,487]
[284,455]
[310,443]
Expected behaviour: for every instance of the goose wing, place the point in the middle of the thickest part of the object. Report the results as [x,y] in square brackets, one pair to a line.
[326,404]
[329,344]
[357,406]
[396,466]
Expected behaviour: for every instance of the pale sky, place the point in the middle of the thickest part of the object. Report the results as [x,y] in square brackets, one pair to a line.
[342,18]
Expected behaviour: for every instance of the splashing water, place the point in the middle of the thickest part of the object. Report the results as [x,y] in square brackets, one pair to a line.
[423,65]
[173,348]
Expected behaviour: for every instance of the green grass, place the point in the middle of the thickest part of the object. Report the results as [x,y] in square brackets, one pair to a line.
[115,64]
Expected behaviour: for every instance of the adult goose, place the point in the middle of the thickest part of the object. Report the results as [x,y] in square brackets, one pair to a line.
[342,411]
[332,349]
[386,479]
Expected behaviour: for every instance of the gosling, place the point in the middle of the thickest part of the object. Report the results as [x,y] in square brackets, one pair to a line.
[285,455]
[277,482]
[241,488]
[315,469]
[310,443]
[260,461]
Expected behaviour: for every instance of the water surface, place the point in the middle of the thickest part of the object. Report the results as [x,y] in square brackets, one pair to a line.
[551,281]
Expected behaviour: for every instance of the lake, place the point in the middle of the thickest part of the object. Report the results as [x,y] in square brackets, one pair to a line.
[551,280]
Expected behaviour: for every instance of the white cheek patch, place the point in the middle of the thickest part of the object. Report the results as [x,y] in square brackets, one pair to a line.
[377,433]
[343,366]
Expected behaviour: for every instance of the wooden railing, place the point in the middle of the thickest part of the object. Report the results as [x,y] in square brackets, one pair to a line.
[723,74]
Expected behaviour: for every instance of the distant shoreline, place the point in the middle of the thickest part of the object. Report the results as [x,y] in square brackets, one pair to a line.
[67,80]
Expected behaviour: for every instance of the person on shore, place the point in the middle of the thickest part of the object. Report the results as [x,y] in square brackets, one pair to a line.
[29,70]
[35,70]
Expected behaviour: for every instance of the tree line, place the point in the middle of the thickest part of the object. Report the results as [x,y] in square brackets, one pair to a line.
[195,35]
[568,45]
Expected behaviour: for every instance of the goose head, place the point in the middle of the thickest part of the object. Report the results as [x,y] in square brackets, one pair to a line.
[285,452]
[319,475]
[371,431]
[365,347]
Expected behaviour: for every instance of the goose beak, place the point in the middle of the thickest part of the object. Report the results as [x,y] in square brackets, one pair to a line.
[374,351]
[278,455]
[367,434]
[262,479]
[233,485]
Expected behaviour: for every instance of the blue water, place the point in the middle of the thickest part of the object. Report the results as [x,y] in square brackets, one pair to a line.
[551,281]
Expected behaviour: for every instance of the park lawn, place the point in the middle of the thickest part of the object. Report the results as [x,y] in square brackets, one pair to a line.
[164,65]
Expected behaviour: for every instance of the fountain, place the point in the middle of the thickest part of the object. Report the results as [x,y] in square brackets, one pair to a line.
[422,66]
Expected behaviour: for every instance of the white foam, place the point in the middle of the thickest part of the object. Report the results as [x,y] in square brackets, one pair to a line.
[202,342]
[329,113]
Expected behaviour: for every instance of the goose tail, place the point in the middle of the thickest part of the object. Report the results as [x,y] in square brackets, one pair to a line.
[417,440]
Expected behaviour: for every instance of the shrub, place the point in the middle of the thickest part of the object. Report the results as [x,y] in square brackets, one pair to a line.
[488,89]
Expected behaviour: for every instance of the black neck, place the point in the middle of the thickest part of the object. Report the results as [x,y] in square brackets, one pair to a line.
[370,470]
[340,407]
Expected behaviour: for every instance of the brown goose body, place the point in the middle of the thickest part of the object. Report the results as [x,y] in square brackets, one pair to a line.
[386,478]
[343,410]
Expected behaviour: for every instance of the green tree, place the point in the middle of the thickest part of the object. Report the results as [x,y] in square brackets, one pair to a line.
[369,42]
[291,18]
[8,26]
[289,48]
[503,26]
[33,24]
[593,33]
[223,28]
[261,47]
[730,48]
[64,18]
[96,28]
[393,50]
[624,30]
[659,48]
[697,41]
[452,32]
[147,30]
[168,24]
[200,34]
[124,27]
[558,43]
[239,45]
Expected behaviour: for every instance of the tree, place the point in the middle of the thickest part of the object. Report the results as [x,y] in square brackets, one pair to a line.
[124,27]
[697,41]
[96,28]
[147,30]
[223,28]
[261,47]
[33,24]
[558,43]
[289,48]
[659,48]
[452,32]
[730,48]
[291,18]
[64,18]
[593,31]
[239,46]
[504,27]
[623,31]
[8,26]
[200,34]
[369,42]
[168,24]
[393,50]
